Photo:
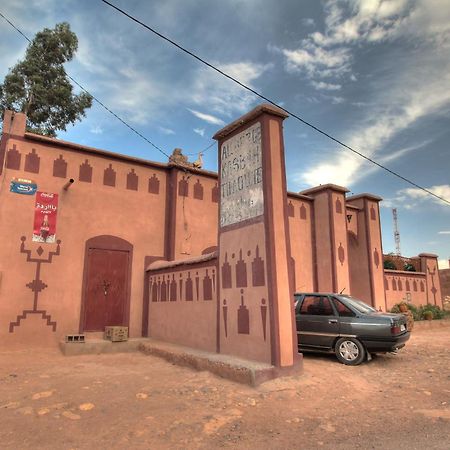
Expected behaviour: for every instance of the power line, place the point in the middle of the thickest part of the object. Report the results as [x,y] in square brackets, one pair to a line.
[213,67]
[202,151]
[95,98]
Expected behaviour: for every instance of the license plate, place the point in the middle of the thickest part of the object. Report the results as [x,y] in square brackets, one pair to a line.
[402,327]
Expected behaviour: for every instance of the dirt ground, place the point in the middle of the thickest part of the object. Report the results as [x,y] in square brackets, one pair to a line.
[133,401]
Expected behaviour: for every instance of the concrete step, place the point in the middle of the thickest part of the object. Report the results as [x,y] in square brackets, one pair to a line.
[236,369]
[95,346]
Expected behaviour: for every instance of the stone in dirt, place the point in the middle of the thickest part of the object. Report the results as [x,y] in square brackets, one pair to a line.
[70,415]
[26,410]
[86,406]
[10,405]
[44,394]
[218,421]
[328,427]
[141,396]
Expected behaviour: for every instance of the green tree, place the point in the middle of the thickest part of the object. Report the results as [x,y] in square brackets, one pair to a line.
[39,86]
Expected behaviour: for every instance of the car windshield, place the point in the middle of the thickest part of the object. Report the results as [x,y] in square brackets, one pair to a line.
[358,304]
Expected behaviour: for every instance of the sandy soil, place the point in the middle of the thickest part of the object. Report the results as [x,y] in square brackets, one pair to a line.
[48,401]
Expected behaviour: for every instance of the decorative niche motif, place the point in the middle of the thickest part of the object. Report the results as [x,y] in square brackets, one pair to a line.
[183,187]
[376,258]
[241,272]
[153,184]
[225,317]
[32,162]
[85,172]
[198,190]
[302,212]
[258,277]
[264,316]
[132,181]
[13,158]
[155,291]
[341,254]
[338,206]
[60,167]
[36,285]
[226,273]
[189,289]
[215,194]
[243,317]
[207,287]
[373,214]
[109,176]
[290,209]
[386,284]
[197,286]
[173,289]
[163,296]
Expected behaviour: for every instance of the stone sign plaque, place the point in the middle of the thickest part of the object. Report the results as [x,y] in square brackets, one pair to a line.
[241,196]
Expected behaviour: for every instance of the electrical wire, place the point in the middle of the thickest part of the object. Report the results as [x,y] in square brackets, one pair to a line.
[201,151]
[221,72]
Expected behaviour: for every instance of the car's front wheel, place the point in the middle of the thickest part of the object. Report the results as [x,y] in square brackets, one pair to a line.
[349,351]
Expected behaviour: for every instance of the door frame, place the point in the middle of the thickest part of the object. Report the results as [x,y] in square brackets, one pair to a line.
[106,242]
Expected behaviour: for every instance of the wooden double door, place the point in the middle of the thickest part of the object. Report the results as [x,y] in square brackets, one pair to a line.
[106,290]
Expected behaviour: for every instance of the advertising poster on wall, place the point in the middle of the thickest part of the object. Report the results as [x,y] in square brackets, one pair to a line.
[44,229]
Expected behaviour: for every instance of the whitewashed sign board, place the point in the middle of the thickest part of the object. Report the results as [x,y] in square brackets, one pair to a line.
[241,188]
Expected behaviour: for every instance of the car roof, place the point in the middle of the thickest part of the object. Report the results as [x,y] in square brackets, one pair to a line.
[317,293]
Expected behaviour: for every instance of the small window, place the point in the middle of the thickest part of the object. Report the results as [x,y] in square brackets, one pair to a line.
[343,310]
[316,306]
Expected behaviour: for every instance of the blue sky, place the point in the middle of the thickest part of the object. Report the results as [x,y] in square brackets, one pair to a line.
[373,73]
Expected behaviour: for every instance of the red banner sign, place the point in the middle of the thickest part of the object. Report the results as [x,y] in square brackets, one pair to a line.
[44,229]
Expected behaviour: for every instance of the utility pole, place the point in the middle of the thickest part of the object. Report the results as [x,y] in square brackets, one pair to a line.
[396,232]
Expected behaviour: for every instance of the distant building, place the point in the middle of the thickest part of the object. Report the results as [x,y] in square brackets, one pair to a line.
[444,276]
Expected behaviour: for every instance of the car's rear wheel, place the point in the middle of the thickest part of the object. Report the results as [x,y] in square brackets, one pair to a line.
[349,351]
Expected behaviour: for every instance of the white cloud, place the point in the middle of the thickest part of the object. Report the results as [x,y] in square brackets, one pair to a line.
[418,194]
[337,100]
[167,131]
[200,131]
[222,96]
[308,22]
[134,94]
[444,232]
[317,61]
[207,117]
[415,89]
[353,22]
[412,197]
[96,129]
[321,85]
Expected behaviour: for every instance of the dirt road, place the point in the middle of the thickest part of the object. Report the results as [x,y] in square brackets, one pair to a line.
[133,401]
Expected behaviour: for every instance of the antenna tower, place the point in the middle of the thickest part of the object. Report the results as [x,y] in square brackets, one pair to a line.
[396,232]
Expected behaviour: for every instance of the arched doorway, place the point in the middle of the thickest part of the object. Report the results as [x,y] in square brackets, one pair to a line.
[106,283]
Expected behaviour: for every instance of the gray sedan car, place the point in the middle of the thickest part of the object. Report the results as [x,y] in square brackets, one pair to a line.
[346,326]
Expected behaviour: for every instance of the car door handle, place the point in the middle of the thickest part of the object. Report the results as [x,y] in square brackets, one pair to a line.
[333,321]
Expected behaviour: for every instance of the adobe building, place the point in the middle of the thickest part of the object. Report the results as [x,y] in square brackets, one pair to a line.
[444,276]
[94,238]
